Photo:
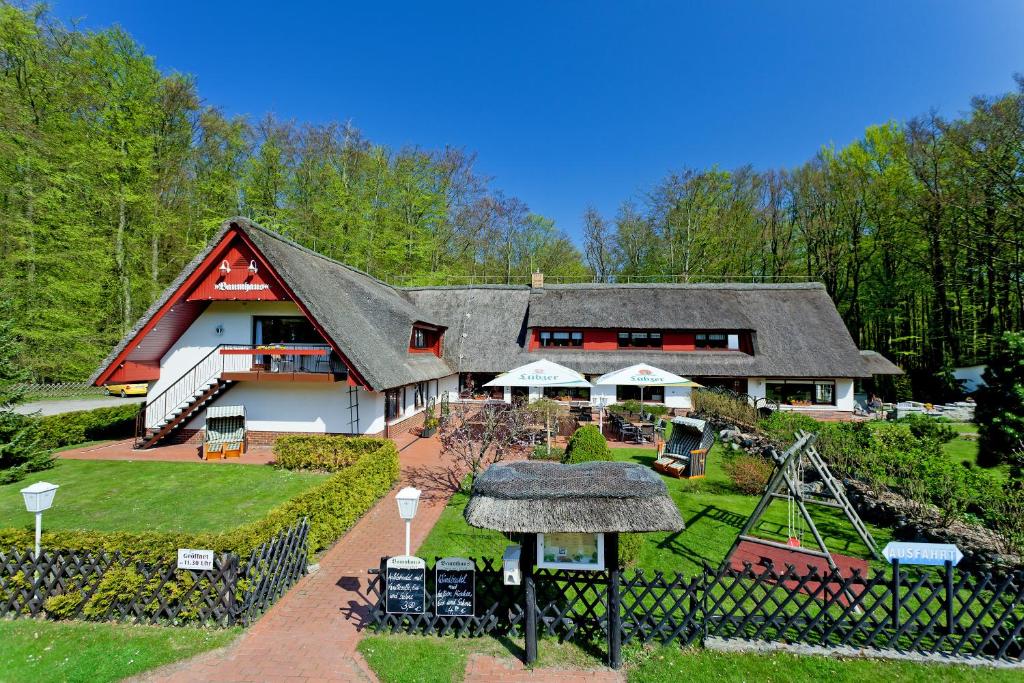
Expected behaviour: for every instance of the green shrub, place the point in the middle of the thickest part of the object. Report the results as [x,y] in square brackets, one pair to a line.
[707,402]
[586,444]
[331,507]
[321,452]
[782,425]
[630,546]
[540,452]
[63,606]
[68,429]
[748,473]
[938,429]
[118,585]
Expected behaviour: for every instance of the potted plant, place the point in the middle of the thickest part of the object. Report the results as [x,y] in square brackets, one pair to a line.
[430,422]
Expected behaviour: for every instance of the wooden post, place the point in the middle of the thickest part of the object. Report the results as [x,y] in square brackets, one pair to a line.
[949,597]
[526,561]
[896,602]
[611,555]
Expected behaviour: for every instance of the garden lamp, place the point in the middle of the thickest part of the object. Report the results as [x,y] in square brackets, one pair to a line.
[408,500]
[39,497]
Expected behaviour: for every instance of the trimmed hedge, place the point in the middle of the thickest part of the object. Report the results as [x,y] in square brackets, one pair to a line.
[586,444]
[68,429]
[321,452]
[332,507]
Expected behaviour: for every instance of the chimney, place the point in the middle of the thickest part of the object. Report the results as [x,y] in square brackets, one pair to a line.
[537,281]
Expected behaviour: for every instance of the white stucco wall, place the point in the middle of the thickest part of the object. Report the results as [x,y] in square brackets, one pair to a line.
[290,406]
[678,397]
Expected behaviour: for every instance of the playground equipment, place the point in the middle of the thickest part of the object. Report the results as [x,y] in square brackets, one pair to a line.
[791,484]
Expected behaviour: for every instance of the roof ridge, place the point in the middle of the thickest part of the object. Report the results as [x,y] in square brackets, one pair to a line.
[250,224]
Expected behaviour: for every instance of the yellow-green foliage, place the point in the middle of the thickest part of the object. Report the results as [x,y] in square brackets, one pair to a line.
[119,584]
[725,406]
[63,606]
[322,452]
[586,444]
[332,507]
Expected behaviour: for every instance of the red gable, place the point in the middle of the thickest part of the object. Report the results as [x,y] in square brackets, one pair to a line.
[234,270]
[239,275]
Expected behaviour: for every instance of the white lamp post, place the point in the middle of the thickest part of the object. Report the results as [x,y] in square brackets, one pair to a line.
[408,500]
[39,497]
[601,402]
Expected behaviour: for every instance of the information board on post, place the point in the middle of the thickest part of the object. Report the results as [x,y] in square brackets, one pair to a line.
[196,560]
[405,585]
[931,554]
[455,579]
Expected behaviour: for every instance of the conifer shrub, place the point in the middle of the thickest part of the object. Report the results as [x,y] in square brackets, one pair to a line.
[587,444]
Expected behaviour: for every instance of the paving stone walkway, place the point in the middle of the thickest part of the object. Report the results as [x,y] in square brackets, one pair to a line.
[312,632]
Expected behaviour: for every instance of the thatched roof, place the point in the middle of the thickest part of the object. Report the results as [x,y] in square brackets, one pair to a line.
[595,497]
[877,364]
[796,329]
[495,327]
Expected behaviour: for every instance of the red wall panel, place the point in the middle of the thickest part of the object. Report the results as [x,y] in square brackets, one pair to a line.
[675,340]
[238,284]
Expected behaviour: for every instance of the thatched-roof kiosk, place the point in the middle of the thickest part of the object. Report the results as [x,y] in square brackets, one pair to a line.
[595,497]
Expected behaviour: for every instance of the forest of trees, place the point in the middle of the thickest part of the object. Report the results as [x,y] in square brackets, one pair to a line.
[114,174]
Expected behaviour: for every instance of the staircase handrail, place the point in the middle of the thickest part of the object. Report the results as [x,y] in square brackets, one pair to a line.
[176,386]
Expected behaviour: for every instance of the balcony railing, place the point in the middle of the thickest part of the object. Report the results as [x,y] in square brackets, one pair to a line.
[280,358]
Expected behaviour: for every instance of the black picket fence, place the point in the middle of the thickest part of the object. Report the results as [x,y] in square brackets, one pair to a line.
[940,611]
[110,587]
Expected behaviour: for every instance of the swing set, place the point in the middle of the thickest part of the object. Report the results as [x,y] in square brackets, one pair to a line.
[789,483]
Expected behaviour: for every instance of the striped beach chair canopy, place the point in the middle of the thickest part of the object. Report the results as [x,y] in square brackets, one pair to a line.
[225,427]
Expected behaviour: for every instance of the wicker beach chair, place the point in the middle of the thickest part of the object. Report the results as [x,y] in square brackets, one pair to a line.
[685,454]
[225,435]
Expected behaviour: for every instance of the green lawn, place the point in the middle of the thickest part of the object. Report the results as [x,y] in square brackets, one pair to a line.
[713,510]
[33,651]
[109,495]
[429,659]
[671,664]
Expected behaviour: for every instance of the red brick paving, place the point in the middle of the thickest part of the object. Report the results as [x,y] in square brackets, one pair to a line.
[122,450]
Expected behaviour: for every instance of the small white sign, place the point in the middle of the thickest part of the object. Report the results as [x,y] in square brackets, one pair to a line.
[932,554]
[200,560]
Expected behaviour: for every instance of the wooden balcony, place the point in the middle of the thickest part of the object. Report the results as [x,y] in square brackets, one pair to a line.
[282,363]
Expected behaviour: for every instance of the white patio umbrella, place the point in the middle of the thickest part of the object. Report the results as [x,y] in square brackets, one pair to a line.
[540,373]
[642,375]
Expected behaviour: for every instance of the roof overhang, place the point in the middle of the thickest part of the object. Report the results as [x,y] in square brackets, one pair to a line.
[182,303]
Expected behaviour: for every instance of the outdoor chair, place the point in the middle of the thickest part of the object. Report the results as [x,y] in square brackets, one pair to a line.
[685,454]
[629,432]
[225,434]
[647,432]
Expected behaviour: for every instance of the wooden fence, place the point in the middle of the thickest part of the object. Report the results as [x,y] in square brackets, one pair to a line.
[932,612]
[108,586]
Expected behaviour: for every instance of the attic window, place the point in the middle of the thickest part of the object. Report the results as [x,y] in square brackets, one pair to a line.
[640,340]
[712,340]
[423,339]
[561,338]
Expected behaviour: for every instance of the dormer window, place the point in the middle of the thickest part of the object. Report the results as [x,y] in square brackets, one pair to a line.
[424,339]
[644,339]
[561,338]
[716,340]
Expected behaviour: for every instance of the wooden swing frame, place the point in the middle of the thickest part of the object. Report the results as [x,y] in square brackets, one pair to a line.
[783,486]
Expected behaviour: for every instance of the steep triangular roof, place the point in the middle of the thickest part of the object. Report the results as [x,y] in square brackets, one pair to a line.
[368,322]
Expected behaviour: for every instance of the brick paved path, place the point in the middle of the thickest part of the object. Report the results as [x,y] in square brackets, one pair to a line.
[312,632]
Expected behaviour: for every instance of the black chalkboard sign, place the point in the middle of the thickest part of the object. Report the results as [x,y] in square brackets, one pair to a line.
[405,585]
[456,587]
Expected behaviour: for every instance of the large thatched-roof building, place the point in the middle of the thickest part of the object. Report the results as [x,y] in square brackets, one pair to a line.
[309,344]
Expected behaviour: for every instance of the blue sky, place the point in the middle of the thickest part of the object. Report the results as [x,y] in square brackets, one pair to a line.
[576,103]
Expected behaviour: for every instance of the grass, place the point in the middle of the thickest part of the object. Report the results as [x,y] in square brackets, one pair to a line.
[40,651]
[671,664]
[425,659]
[108,495]
[713,510]
[418,659]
